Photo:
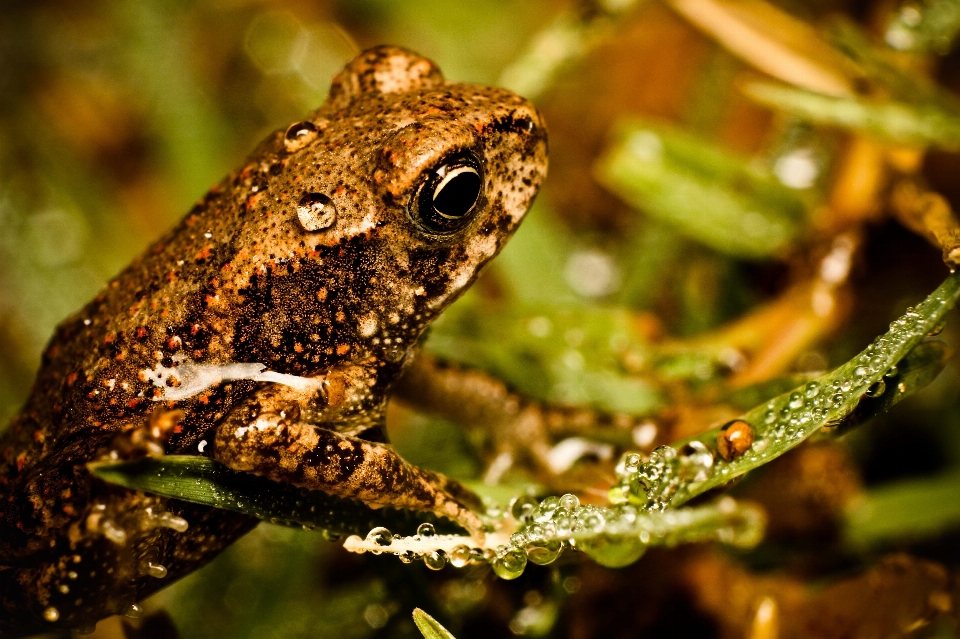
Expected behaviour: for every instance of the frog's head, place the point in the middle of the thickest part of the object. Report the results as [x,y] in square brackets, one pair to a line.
[407,185]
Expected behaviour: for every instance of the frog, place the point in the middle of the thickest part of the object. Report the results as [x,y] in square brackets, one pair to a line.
[265,331]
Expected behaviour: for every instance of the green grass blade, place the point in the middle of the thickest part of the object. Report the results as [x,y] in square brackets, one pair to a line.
[429,626]
[704,192]
[919,368]
[912,510]
[914,124]
[788,419]
[691,467]
[201,480]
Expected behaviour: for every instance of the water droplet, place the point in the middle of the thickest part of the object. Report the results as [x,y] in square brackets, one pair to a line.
[380,536]
[936,330]
[860,371]
[734,439]
[460,556]
[156,570]
[299,135]
[316,212]
[846,385]
[133,611]
[511,564]
[769,417]
[329,535]
[408,556]
[522,508]
[592,521]
[544,553]
[837,400]
[811,390]
[547,508]
[435,560]
[796,400]
[51,614]
[893,371]
[518,539]
[696,461]
[613,553]
[113,532]
[426,530]
[569,502]
[171,521]
[876,390]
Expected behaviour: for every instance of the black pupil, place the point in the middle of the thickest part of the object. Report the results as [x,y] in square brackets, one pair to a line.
[456,196]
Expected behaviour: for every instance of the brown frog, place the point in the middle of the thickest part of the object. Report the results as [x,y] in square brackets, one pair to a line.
[266,331]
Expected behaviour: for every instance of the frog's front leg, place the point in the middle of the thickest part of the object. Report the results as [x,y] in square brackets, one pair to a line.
[272,435]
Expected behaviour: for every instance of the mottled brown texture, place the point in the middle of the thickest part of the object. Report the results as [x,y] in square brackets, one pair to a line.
[242,279]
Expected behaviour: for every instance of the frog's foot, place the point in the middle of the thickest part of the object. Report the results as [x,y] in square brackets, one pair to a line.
[281,447]
[541,437]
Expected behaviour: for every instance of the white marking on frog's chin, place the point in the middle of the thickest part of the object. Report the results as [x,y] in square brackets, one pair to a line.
[479,251]
[194,378]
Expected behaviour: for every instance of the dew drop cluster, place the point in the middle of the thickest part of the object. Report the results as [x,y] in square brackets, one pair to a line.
[611,536]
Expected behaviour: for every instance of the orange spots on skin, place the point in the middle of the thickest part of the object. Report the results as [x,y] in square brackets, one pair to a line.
[252,201]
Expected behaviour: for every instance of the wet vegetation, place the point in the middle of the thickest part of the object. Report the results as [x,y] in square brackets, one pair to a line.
[740,268]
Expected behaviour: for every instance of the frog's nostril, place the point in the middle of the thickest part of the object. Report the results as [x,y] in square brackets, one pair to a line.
[525,124]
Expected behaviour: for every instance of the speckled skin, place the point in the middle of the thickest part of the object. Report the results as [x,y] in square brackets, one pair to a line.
[241,280]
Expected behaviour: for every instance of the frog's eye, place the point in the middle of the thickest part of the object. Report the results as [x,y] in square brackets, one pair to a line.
[448,196]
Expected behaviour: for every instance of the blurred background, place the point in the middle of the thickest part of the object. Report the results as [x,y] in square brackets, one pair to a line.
[740,193]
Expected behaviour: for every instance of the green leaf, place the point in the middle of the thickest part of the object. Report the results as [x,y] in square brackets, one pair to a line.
[919,368]
[930,26]
[201,480]
[705,192]
[913,510]
[560,354]
[929,123]
[429,626]
[786,420]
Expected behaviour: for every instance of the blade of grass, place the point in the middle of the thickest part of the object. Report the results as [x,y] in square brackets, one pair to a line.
[899,122]
[906,510]
[703,191]
[430,627]
[786,420]
[201,480]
